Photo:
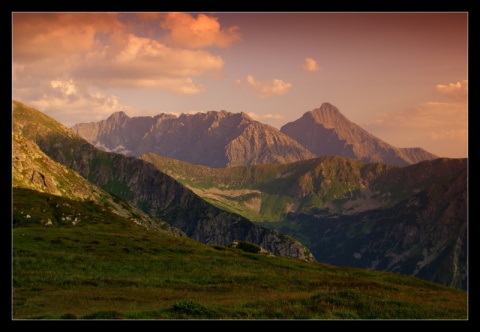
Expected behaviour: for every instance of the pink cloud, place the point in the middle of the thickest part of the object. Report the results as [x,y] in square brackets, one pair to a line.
[426,115]
[311,65]
[143,62]
[150,15]
[457,91]
[56,56]
[97,48]
[269,116]
[441,126]
[40,35]
[202,31]
[267,89]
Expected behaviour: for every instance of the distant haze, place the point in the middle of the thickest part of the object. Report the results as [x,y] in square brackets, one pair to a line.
[401,76]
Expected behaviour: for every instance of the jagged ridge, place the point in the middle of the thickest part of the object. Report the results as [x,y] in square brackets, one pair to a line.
[214,139]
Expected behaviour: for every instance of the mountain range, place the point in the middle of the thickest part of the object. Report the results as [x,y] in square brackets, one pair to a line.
[224,139]
[135,181]
[215,139]
[407,216]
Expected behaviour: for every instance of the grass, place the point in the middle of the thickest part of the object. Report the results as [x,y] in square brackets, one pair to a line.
[106,267]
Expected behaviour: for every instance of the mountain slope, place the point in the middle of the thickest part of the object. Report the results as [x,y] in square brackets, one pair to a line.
[148,189]
[106,267]
[410,220]
[334,184]
[214,139]
[267,192]
[424,235]
[325,131]
[32,169]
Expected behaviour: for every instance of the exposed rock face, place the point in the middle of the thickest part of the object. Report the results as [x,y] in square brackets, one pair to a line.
[424,235]
[144,187]
[214,139]
[32,169]
[325,131]
[417,154]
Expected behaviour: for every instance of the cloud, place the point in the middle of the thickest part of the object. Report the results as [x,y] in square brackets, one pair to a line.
[457,91]
[266,89]
[202,31]
[429,115]
[268,116]
[64,101]
[442,126]
[37,36]
[63,63]
[145,63]
[104,50]
[311,65]
[66,87]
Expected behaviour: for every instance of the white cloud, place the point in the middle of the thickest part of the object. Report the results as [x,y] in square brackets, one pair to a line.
[66,87]
[311,65]
[69,103]
[267,89]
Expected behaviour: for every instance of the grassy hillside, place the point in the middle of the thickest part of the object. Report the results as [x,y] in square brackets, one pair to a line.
[326,184]
[259,193]
[267,192]
[103,266]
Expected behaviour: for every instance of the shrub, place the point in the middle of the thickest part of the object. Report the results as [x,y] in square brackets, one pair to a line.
[191,307]
[248,247]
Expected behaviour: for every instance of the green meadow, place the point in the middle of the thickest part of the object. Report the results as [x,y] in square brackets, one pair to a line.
[103,266]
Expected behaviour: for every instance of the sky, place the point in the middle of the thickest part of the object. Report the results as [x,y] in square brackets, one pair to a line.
[402,76]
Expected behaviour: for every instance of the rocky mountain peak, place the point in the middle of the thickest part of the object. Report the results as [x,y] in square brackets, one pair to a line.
[220,115]
[245,116]
[328,115]
[325,131]
[118,116]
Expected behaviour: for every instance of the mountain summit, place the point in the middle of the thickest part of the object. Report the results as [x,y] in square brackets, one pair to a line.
[213,139]
[325,131]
